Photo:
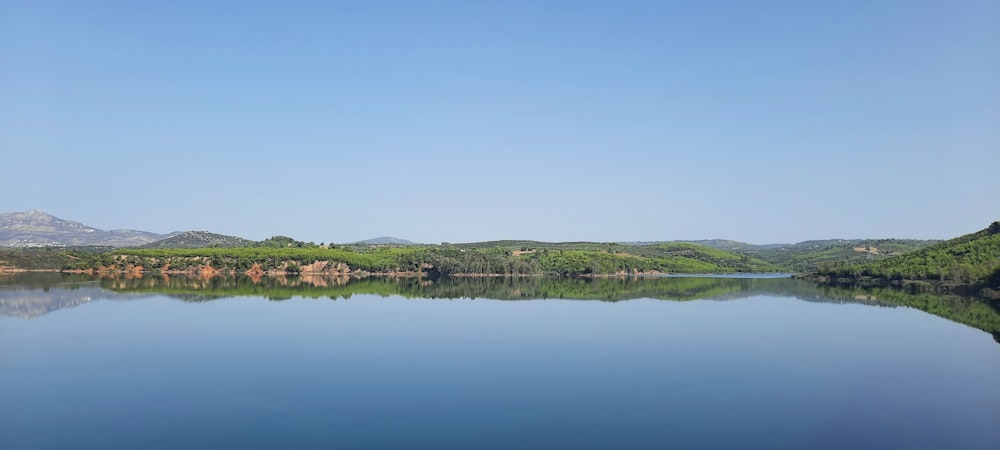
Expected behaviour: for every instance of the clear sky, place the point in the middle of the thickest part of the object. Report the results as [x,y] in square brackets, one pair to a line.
[771,121]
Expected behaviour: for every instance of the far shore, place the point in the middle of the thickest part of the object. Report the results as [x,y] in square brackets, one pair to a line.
[208,271]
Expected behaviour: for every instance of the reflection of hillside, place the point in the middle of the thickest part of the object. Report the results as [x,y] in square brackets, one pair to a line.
[29,299]
[32,295]
[982,314]
[194,288]
[30,303]
[500,288]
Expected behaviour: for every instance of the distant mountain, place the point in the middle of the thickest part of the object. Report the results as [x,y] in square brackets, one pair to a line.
[386,240]
[199,239]
[36,228]
[725,244]
[721,244]
[737,246]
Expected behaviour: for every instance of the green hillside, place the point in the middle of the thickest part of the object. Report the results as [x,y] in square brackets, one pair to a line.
[199,239]
[686,257]
[47,258]
[607,257]
[810,256]
[972,259]
[508,258]
[714,256]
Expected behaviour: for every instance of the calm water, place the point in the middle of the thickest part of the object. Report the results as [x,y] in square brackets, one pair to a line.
[667,363]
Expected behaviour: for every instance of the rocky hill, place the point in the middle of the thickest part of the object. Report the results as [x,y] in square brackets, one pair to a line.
[199,239]
[36,228]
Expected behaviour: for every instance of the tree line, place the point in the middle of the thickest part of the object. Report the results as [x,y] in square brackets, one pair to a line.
[970,259]
[433,260]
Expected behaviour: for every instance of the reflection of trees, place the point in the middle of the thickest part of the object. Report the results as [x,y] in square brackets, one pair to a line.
[43,280]
[978,313]
[500,288]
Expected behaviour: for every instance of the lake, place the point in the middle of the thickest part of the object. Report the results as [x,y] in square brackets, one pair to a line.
[484,363]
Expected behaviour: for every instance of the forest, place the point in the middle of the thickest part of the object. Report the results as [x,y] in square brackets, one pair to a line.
[973,259]
[560,259]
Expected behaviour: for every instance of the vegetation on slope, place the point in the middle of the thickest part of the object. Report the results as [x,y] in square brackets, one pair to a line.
[563,259]
[809,256]
[571,257]
[47,258]
[972,259]
[199,239]
[715,256]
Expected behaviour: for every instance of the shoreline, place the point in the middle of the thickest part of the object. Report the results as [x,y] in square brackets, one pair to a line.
[209,271]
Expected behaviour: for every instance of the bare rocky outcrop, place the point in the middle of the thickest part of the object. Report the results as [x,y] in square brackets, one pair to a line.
[255,271]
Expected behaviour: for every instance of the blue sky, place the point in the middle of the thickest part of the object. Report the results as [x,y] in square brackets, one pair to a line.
[464,121]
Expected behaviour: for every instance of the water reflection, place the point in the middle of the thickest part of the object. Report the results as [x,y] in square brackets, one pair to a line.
[35,294]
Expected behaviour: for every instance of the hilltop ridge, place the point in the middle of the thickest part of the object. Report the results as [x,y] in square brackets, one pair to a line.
[385,240]
[37,228]
[972,259]
[199,239]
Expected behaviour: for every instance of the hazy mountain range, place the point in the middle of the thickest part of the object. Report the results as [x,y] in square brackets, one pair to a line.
[36,228]
[385,240]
